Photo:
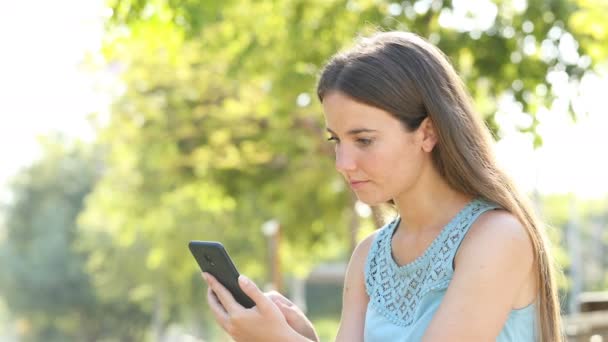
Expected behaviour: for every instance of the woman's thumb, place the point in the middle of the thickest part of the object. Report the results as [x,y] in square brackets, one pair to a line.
[251,290]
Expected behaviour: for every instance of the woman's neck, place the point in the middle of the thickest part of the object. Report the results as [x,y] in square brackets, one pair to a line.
[430,205]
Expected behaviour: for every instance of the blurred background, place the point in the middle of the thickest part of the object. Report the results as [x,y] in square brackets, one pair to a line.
[130,127]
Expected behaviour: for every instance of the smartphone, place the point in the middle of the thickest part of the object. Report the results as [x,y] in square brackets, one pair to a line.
[212,258]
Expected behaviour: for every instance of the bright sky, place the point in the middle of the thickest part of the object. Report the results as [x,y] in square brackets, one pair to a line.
[42,88]
[572,158]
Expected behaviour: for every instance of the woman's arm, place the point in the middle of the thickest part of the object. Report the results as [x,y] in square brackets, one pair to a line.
[354,297]
[494,262]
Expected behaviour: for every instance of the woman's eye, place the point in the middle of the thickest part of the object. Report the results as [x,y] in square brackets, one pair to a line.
[364,141]
[333,139]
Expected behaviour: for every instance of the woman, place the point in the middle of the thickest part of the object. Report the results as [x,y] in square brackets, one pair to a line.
[466,260]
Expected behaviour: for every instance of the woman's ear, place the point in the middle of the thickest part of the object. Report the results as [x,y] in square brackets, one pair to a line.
[429,135]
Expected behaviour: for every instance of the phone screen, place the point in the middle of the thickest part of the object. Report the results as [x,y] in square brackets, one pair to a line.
[212,258]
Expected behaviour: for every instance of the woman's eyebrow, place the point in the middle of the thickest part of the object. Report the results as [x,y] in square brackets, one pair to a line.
[354,131]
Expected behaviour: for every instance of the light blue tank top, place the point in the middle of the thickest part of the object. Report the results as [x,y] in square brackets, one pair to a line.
[404,299]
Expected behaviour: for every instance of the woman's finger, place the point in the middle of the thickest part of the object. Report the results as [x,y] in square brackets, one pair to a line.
[297,320]
[290,312]
[252,290]
[278,298]
[220,314]
[285,309]
[223,295]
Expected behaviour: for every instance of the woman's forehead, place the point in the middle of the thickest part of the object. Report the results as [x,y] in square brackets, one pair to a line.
[342,113]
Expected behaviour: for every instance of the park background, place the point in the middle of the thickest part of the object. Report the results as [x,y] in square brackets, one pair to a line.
[129,127]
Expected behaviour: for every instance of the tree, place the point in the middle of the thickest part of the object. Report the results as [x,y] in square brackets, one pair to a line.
[43,278]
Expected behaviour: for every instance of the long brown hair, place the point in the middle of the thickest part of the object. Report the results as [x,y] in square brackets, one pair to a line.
[410,78]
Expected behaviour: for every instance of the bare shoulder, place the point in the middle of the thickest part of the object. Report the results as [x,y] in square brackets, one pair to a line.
[354,296]
[355,272]
[356,265]
[493,275]
[363,247]
[499,222]
[497,234]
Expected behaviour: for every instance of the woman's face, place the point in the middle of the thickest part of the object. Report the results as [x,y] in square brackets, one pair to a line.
[375,154]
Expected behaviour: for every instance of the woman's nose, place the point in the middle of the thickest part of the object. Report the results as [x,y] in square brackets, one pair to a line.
[345,160]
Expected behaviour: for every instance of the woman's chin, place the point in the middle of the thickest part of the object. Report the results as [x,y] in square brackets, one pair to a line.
[372,201]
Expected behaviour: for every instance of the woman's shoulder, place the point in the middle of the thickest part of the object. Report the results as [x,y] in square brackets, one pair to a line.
[366,245]
[498,223]
[495,234]
[363,247]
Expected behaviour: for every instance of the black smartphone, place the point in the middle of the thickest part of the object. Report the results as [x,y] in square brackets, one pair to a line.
[212,258]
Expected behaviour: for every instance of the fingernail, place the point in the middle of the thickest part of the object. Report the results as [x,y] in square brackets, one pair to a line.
[244,280]
[289,308]
[206,277]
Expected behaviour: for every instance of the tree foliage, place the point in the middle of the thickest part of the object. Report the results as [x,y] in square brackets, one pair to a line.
[44,281]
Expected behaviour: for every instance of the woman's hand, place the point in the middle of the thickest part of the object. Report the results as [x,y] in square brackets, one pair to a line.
[294,316]
[263,322]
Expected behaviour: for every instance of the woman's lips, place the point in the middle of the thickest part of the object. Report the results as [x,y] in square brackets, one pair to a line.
[357,184]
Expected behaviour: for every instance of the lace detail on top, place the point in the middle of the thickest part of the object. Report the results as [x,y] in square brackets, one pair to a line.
[395,291]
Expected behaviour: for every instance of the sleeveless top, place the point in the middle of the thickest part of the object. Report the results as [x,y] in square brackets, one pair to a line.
[404,299]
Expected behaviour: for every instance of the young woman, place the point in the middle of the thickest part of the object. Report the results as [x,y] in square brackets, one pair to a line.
[465,260]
